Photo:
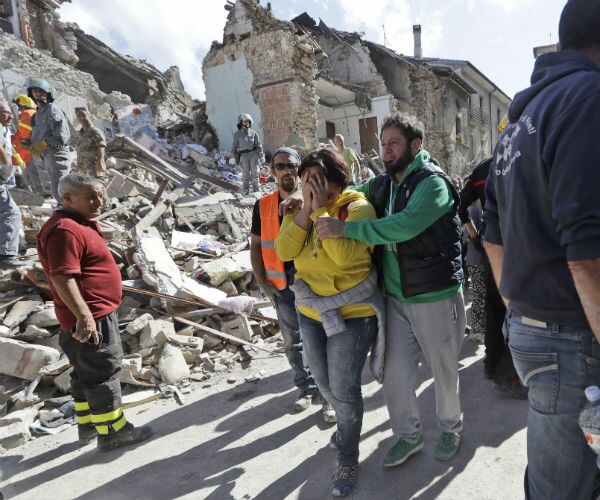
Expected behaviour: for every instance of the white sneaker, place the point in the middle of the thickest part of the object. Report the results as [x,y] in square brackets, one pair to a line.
[328,414]
[303,402]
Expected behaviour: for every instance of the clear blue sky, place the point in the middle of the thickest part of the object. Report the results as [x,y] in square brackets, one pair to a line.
[497,36]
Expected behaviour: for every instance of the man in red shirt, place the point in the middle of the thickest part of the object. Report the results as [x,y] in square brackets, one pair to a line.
[86,285]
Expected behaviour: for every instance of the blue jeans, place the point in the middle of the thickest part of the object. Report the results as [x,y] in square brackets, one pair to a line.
[10,224]
[337,364]
[292,341]
[557,363]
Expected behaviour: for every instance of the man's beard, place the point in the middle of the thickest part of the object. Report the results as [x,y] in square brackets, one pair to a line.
[288,184]
[42,100]
[393,168]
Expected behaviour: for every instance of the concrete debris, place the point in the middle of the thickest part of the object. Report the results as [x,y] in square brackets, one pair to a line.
[20,311]
[169,234]
[138,324]
[175,221]
[14,427]
[172,366]
[156,332]
[24,360]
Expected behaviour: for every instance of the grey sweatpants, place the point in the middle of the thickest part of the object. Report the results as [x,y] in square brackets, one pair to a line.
[249,163]
[10,224]
[434,331]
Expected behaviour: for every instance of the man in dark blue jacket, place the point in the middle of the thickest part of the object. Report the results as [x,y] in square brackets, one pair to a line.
[543,241]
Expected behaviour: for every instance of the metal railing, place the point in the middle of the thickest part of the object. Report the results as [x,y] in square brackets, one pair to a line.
[477,114]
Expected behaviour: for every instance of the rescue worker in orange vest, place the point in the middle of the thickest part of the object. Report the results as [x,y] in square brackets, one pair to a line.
[26,111]
[274,276]
[22,157]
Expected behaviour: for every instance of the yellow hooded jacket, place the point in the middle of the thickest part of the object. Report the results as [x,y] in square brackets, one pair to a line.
[334,265]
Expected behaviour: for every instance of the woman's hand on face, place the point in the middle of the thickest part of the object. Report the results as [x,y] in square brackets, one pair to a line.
[307,193]
[320,191]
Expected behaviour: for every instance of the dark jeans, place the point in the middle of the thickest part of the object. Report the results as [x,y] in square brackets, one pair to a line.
[557,363]
[337,364]
[292,340]
[95,375]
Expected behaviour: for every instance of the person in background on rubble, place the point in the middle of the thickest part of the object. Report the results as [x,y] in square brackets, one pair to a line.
[86,286]
[50,135]
[340,307]
[10,215]
[476,273]
[21,157]
[274,276]
[498,364]
[247,150]
[90,147]
[350,158]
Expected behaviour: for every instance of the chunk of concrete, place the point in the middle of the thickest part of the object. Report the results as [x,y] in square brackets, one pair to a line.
[172,366]
[211,341]
[43,319]
[20,311]
[156,332]
[5,331]
[14,427]
[23,360]
[120,186]
[238,327]
[138,324]
[14,435]
[63,381]
[33,332]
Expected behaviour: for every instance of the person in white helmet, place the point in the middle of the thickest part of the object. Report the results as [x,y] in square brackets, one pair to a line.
[247,150]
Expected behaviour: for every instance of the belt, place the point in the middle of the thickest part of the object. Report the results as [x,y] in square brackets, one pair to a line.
[534,322]
[247,151]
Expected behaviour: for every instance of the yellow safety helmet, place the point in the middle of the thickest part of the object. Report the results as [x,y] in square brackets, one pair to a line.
[24,101]
[502,124]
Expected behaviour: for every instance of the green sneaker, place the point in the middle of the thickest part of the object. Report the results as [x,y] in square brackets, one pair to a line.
[400,452]
[447,445]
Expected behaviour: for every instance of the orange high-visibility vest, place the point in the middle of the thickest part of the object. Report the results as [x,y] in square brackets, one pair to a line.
[23,132]
[269,227]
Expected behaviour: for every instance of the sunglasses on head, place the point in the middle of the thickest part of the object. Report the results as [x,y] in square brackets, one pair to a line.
[283,166]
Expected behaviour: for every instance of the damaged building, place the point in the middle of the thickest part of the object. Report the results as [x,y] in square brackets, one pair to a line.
[125,94]
[304,82]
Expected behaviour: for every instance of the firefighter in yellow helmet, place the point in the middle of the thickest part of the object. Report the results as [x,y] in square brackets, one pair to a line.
[21,156]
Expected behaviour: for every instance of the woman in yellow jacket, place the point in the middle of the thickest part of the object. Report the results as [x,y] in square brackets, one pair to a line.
[336,296]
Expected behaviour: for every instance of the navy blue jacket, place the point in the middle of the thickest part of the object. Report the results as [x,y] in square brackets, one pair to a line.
[543,189]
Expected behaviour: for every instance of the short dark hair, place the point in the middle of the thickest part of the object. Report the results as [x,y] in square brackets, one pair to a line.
[579,26]
[330,162]
[410,126]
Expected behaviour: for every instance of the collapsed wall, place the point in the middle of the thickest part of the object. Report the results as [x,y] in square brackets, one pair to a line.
[265,68]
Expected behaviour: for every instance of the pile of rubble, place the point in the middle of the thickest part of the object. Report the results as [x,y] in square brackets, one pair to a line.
[179,234]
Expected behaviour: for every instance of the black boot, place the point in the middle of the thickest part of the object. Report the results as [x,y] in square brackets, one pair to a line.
[124,437]
[87,433]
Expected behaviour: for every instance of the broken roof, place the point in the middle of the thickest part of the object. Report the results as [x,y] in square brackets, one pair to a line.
[459,63]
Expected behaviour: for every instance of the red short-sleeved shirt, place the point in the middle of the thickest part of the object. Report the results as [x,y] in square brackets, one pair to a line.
[71,244]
